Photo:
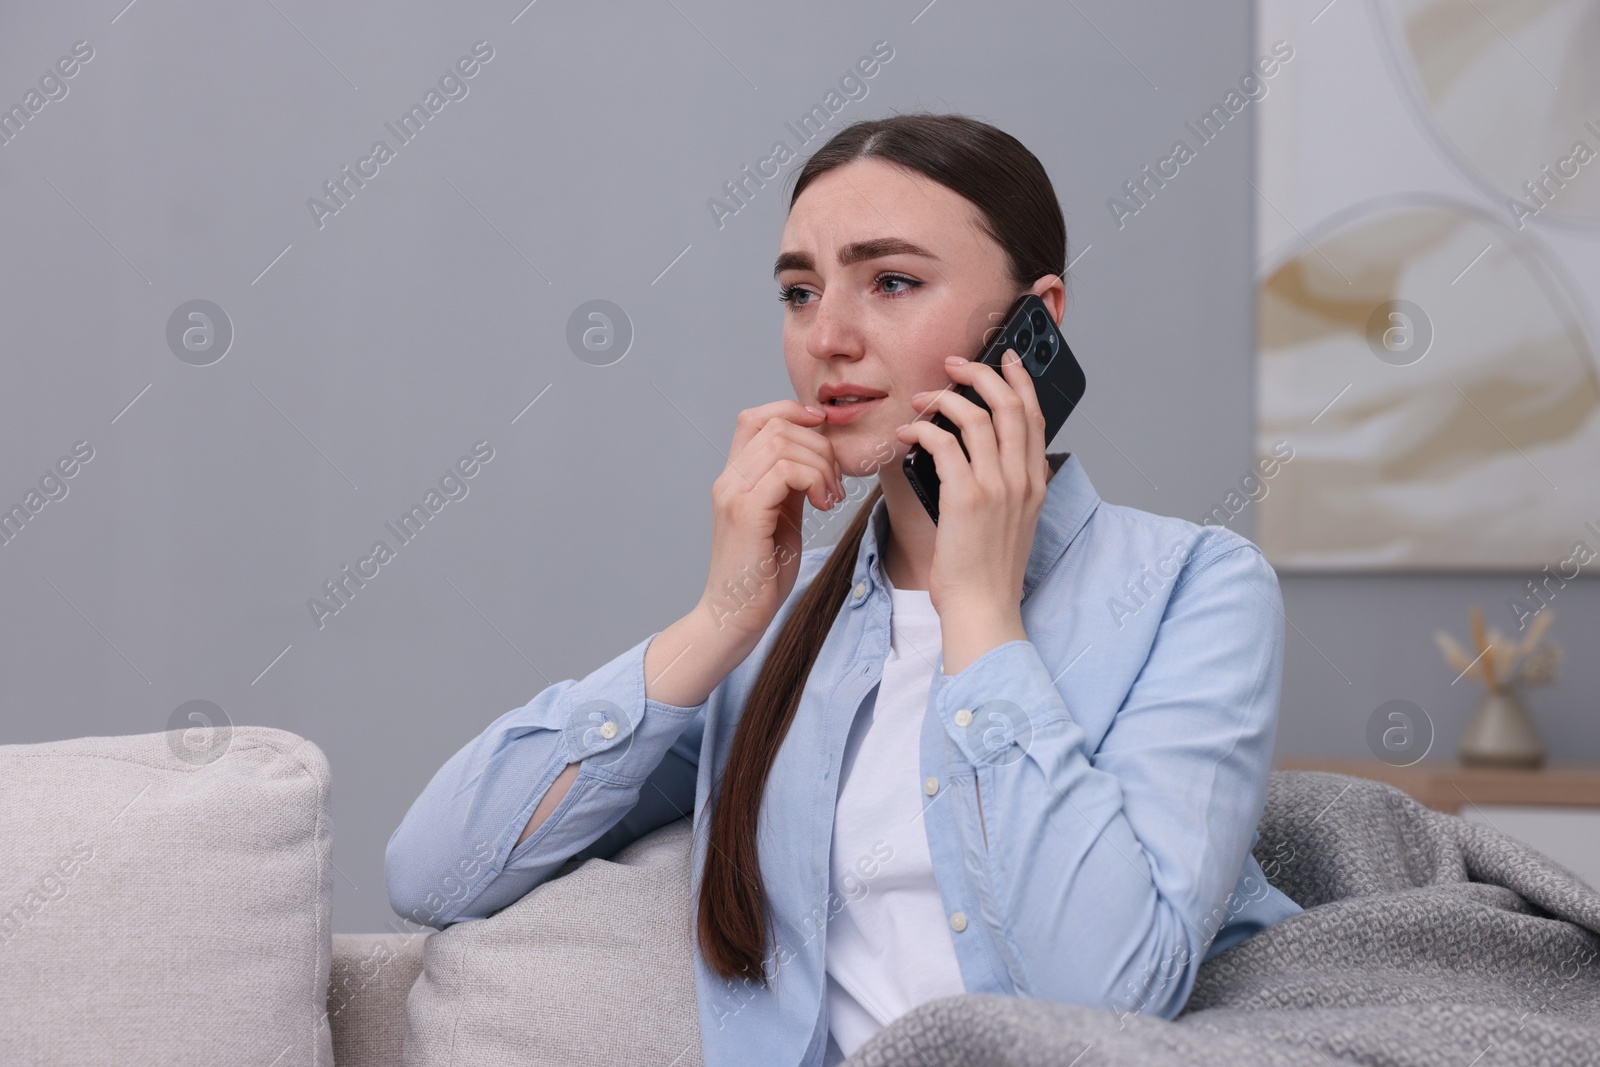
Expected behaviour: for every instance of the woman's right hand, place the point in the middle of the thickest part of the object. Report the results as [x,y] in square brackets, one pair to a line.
[777,461]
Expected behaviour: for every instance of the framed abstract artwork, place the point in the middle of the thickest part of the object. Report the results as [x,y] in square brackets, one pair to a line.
[1427,196]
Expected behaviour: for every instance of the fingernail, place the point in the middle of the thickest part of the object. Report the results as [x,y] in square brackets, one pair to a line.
[955,359]
[818,412]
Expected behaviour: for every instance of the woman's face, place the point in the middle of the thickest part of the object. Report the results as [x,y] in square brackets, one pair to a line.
[888,273]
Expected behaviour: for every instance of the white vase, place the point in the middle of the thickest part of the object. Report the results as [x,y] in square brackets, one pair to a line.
[1501,734]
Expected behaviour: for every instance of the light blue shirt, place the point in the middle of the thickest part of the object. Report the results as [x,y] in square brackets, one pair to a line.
[1120,753]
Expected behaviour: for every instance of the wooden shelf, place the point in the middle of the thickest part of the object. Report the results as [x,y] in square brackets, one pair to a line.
[1449,787]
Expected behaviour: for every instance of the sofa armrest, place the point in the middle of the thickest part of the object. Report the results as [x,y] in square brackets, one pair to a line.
[367,987]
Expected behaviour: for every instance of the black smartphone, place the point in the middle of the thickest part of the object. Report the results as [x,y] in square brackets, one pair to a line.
[1057,379]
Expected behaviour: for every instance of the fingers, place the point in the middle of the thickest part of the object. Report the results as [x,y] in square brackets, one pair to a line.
[750,420]
[799,468]
[1033,416]
[955,473]
[804,456]
[790,474]
[1000,441]
[977,431]
[1003,391]
[767,433]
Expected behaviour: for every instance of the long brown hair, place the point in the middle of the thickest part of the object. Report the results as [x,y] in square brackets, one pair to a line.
[1017,206]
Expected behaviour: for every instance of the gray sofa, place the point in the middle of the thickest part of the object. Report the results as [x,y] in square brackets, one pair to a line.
[367,986]
[165,898]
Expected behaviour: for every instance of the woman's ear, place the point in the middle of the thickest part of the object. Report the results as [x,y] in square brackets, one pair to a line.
[1053,291]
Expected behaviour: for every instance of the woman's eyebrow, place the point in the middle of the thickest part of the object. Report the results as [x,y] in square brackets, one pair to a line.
[854,253]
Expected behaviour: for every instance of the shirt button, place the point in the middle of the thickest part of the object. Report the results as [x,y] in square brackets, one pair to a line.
[958,922]
[861,589]
[964,717]
[931,786]
[608,730]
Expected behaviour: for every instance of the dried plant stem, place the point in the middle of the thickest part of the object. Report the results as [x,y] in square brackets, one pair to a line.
[1484,650]
[1541,623]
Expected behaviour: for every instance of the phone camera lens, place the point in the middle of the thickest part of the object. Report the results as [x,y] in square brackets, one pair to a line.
[1044,351]
[1038,321]
[1023,339]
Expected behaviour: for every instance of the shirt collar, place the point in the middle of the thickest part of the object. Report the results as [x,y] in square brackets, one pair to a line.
[1069,500]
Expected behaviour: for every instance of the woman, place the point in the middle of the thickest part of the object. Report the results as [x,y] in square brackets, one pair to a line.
[1020,751]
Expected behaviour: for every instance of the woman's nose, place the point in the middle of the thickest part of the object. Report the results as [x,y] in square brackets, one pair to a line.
[834,330]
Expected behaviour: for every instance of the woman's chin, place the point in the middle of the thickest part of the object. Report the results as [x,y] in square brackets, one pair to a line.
[866,456]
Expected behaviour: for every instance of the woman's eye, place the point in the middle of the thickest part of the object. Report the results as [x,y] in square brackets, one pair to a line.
[795,296]
[790,294]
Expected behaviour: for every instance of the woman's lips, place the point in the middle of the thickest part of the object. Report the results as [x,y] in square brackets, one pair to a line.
[839,414]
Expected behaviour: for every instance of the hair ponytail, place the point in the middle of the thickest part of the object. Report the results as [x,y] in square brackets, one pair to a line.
[733,897]
[1017,206]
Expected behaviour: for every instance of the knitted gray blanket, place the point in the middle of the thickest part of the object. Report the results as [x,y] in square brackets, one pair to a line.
[1426,940]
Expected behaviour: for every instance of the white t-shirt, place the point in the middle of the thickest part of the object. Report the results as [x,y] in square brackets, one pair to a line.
[890,947]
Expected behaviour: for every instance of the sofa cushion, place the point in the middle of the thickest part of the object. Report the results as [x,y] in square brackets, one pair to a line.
[165,903]
[372,973]
[594,967]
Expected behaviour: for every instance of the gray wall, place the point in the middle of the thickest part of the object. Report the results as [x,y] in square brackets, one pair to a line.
[370,353]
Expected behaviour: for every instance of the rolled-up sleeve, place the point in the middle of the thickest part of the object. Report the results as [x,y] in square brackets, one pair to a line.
[1110,872]
[455,854]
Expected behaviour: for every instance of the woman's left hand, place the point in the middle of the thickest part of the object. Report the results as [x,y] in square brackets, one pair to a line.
[988,505]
